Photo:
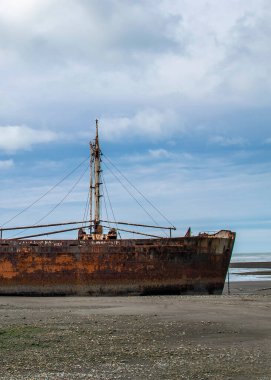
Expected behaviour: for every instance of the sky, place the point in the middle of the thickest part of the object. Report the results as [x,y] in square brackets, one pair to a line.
[182,91]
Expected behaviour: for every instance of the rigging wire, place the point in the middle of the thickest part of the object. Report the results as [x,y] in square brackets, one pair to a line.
[125,187]
[139,192]
[47,192]
[88,200]
[107,194]
[59,203]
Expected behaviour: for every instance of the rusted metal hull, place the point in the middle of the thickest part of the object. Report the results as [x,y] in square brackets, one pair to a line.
[194,265]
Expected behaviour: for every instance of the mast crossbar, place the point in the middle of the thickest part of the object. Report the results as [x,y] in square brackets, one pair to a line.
[42,225]
[138,233]
[139,225]
[48,233]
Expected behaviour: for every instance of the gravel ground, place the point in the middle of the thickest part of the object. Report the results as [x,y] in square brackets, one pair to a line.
[208,337]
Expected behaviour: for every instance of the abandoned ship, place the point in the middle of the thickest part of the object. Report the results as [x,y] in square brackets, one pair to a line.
[98,263]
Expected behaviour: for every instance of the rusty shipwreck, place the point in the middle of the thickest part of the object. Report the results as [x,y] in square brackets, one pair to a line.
[98,263]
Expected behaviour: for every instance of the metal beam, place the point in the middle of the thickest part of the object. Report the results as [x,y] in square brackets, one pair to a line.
[138,233]
[139,225]
[48,233]
[43,225]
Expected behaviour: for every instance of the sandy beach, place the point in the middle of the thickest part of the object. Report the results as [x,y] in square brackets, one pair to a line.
[167,337]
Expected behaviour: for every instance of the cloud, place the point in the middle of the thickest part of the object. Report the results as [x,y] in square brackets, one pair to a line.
[6,164]
[67,62]
[151,155]
[147,122]
[14,138]
[155,73]
[57,32]
[244,69]
[160,153]
[228,141]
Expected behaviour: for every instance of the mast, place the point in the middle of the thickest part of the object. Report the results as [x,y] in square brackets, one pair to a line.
[97,171]
[91,147]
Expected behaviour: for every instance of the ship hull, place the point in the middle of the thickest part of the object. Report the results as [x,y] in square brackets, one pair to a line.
[185,265]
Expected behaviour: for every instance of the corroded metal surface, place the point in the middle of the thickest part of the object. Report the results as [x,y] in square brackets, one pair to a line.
[140,266]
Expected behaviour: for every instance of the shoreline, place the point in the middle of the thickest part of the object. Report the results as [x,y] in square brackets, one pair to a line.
[251,264]
[262,287]
[245,273]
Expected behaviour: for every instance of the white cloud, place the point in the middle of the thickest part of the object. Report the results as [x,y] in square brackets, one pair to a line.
[150,155]
[228,141]
[13,138]
[117,59]
[160,153]
[6,164]
[13,10]
[147,122]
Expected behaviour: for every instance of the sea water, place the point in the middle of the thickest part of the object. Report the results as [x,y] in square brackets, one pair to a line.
[239,274]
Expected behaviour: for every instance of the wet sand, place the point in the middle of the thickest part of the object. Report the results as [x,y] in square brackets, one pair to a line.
[248,287]
[167,337]
[265,267]
[251,264]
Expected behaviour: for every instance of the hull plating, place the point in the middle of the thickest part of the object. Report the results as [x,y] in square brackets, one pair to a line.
[194,265]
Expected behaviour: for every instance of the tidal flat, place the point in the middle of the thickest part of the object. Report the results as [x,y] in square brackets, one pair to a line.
[161,337]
